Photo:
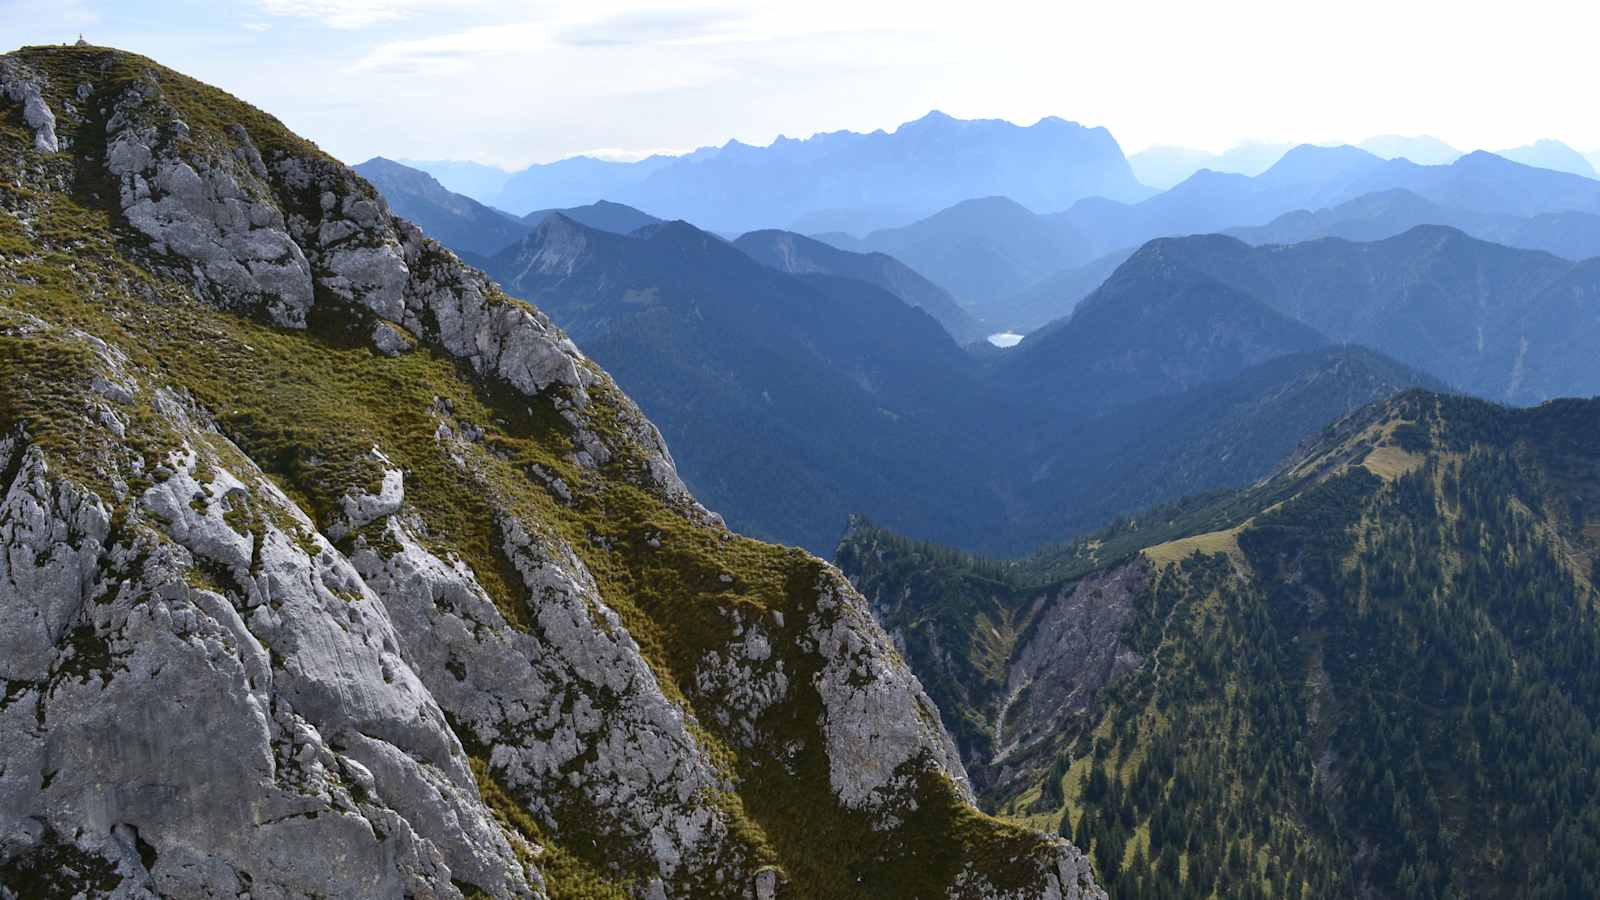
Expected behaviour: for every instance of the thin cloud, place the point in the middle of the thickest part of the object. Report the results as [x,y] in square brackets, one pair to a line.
[449,52]
[655,28]
[351,14]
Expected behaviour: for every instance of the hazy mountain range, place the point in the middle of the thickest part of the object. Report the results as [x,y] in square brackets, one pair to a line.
[362,538]
[1549,154]
[666,305]
[1370,217]
[800,255]
[980,250]
[817,364]
[450,218]
[476,180]
[1165,166]
[1018,270]
[1015,268]
[844,178]
[1421,149]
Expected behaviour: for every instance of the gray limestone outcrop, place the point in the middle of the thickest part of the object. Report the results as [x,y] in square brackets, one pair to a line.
[879,725]
[212,212]
[568,711]
[22,87]
[232,703]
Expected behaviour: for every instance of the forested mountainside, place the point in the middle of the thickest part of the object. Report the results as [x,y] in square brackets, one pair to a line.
[328,569]
[1374,674]
[793,401]
[1385,214]
[1513,325]
[1221,435]
[800,255]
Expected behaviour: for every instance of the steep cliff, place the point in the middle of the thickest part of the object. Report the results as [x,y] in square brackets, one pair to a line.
[326,569]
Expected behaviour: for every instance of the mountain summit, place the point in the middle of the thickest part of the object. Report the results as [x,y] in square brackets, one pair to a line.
[328,569]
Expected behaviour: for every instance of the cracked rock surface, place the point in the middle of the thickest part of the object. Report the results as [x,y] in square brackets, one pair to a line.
[236,726]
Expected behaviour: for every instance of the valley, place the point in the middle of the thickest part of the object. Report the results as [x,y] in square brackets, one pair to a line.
[969,508]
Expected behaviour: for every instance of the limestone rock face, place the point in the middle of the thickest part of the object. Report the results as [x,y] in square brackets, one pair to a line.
[198,707]
[878,722]
[213,212]
[21,86]
[572,712]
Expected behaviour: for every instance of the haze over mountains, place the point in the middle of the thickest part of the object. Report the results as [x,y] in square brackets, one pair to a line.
[997,258]
[1165,166]
[831,376]
[1422,149]
[452,219]
[800,255]
[476,180]
[846,179]
[1017,255]
[1455,296]
[980,249]
[362,538]
[1550,154]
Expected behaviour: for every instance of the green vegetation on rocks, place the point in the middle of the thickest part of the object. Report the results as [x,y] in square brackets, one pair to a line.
[693,713]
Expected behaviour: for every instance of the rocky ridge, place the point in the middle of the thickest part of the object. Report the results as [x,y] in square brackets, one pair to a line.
[316,547]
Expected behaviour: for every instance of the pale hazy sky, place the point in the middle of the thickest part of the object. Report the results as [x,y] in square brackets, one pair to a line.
[513,83]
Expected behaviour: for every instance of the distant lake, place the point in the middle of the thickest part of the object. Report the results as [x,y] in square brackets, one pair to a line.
[1005,339]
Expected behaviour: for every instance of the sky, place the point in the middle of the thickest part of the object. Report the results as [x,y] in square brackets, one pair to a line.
[514,83]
